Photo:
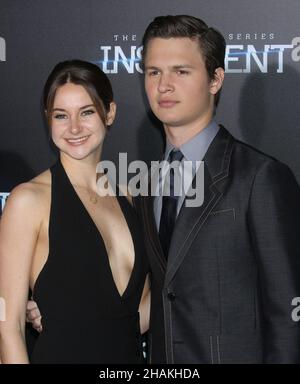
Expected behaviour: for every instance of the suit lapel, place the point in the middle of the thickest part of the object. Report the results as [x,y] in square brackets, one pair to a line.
[191,219]
[152,234]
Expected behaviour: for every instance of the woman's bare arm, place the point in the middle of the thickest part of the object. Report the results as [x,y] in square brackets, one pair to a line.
[19,228]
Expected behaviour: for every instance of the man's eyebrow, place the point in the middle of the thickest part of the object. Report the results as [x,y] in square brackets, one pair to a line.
[151,67]
[182,66]
[179,66]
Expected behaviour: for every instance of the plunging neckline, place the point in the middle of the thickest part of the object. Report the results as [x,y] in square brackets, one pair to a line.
[100,237]
[85,210]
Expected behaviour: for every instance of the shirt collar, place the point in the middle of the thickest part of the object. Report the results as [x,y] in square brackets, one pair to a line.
[196,148]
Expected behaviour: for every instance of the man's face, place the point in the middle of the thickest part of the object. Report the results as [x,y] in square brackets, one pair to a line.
[179,90]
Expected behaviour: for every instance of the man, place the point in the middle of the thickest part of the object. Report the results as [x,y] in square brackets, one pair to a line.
[224,281]
[224,274]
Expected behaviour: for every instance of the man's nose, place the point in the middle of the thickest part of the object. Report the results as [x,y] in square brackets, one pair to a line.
[165,83]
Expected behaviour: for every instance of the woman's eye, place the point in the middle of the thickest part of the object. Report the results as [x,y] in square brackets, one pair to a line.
[88,112]
[60,116]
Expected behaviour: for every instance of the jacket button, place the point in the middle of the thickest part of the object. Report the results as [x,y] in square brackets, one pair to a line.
[171,296]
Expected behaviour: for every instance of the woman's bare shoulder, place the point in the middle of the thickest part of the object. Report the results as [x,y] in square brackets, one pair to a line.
[32,194]
[42,181]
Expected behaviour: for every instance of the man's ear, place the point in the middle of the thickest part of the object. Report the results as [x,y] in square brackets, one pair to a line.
[217,82]
[111,114]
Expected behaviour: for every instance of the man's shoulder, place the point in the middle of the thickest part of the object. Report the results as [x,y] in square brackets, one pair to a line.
[255,161]
[253,155]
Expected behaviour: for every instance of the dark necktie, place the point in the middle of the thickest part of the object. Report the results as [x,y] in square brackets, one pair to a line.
[169,207]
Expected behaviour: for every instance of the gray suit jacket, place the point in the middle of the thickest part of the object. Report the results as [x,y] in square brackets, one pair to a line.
[225,294]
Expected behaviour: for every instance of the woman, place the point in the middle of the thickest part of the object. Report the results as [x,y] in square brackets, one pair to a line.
[81,254]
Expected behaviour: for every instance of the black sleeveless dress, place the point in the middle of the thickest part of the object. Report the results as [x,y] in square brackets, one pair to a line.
[85,319]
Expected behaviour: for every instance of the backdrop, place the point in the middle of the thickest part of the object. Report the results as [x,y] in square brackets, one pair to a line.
[260,99]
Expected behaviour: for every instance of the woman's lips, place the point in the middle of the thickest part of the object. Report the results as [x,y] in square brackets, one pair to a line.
[77,141]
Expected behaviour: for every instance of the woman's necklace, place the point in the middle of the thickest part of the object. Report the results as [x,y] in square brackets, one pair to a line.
[93,197]
[87,193]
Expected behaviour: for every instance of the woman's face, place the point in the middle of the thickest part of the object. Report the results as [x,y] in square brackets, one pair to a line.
[76,127]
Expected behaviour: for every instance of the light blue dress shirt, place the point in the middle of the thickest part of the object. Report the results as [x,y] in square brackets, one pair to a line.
[194,150]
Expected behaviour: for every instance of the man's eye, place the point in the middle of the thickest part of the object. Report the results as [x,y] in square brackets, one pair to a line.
[153,73]
[88,112]
[182,72]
